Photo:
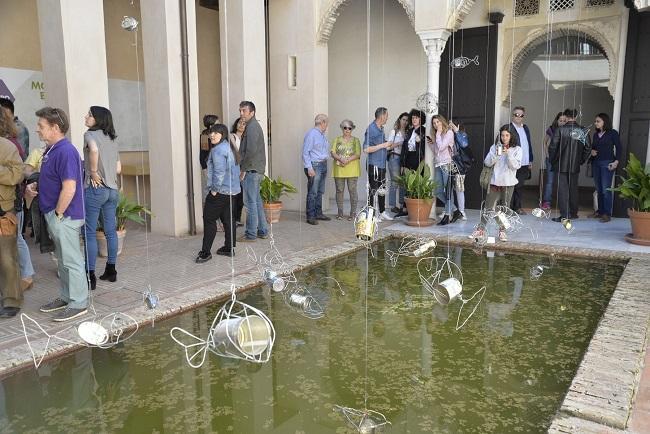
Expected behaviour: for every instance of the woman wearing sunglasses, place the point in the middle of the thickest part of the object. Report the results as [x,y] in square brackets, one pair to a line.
[346,151]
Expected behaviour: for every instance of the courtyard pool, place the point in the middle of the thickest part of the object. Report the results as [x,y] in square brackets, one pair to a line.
[506,371]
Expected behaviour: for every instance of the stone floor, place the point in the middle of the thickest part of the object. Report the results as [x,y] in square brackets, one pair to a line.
[167,264]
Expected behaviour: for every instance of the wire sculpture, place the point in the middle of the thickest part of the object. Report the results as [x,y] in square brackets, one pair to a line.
[129,24]
[366,224]
[427,102]
[536,271]
[462,62]
[411,246]
[541,213]
[100,332]
[301,300]
[364,421]
[272,267]
[238,331]
[568,225]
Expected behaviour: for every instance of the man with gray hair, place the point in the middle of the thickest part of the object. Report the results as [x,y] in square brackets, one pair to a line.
[315,152]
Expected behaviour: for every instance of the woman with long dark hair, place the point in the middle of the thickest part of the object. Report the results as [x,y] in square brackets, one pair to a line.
[101,167]
[413,147]
[605,150]
[223,187]
[396,136]
[505,157]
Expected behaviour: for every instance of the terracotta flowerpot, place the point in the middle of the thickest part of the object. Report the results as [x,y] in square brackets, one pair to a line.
[272,211]
[418,211]
[640,222]
[102,245]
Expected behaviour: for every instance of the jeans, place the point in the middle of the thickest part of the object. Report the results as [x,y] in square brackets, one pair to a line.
[70,260]
[352,191]
[443,188]
[102,199]
[603,180]
[255,217]
[218,208]
[316,189]
[9,269]
[548,186]
[24,258]
[394,171]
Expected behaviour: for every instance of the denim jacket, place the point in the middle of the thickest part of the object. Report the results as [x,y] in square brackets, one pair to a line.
[223,171]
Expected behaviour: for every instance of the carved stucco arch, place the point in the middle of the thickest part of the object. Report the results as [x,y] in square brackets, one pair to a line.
[331,13]
[540,36]
[459,13]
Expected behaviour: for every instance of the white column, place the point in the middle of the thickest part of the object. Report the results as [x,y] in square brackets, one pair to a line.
[434,42]
[243,58]
[73,53]
[622,48]
[161,43]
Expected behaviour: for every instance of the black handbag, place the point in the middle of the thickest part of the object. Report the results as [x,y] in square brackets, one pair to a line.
[463,158]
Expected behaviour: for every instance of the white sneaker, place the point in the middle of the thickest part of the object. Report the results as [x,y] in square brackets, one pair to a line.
[385,216]
[464,217]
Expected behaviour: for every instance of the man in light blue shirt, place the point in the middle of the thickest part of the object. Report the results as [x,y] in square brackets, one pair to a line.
[315,153]
[376,146]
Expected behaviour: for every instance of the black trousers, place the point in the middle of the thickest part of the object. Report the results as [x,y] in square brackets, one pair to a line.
[376,177]
[218,208]
[567,191]
[523,174]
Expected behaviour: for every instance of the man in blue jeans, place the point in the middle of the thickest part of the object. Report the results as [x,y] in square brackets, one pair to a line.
[60,198]
[253,165]
[315,152]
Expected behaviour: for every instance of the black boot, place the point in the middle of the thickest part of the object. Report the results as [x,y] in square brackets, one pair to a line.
[444,221]
[92,279]
[110,273]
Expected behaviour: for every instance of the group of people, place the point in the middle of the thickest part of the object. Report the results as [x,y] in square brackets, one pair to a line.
[403,148]
[66,197]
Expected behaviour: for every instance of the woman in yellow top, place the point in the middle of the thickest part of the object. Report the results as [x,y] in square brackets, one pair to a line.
[346,151]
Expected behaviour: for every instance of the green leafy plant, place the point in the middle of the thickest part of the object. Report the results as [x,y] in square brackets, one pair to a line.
[127,210]
[417,183]
[636,186]
[272,189]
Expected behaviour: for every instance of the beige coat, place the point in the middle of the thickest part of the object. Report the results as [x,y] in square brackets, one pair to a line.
[11,173]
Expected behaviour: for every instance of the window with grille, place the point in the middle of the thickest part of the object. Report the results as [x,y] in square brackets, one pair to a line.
[526,7]
[596,3]
[561,5]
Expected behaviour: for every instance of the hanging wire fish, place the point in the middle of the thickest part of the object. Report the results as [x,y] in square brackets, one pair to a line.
[580,134]
[462,62]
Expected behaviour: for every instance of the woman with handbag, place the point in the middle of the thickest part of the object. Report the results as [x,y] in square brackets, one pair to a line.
[412,152]
[463,160]
[605,150]
[504,159]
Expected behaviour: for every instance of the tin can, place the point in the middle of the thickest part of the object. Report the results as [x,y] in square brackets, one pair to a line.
[365,225]
[502,221]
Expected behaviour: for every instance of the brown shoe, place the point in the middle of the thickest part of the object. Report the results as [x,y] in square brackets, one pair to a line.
[594,215]
[26,284]
[605,218]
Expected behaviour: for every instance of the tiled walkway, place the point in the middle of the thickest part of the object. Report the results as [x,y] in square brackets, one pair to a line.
[167,264]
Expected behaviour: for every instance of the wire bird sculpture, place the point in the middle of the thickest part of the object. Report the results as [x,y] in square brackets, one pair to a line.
[238,331]
[537,270]
[99,332]
[272,267]
[443,278]
[412,246]
[366,225]
[310,301]
[505,219]
[364,421]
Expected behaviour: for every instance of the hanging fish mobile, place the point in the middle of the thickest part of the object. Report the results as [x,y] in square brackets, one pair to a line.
[462,62]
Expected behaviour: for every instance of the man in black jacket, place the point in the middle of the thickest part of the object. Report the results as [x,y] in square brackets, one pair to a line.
[569,149]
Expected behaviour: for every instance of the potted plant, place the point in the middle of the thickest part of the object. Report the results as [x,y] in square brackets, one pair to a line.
[419,189]
[636,187]
[126,210]
[271,190]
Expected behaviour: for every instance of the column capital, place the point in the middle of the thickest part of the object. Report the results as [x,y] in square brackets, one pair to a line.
[433,42]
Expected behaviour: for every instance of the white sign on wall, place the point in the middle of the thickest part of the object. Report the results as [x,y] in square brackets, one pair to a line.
[129,111]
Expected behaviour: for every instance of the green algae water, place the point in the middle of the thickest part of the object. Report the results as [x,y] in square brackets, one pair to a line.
[506,371]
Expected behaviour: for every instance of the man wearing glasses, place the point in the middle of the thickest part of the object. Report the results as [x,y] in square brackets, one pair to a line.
[524,172]
[59,191]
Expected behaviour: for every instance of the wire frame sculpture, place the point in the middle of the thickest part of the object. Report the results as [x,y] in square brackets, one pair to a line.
[238,331]
[411,246]
[98,332]
[302,301]
[568,225]
[129,24]
[272,267]
[364,421]
[427,102]
[536,271]
[366,224]
[541,213]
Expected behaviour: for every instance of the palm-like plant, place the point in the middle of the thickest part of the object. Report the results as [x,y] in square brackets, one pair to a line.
[636,186]
[418,183]
[272,189]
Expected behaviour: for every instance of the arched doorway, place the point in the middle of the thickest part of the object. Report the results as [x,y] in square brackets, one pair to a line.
[568,71]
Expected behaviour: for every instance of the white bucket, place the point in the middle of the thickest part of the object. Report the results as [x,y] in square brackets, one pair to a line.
[448,290]
[274,281]
[502,221]
[249,335]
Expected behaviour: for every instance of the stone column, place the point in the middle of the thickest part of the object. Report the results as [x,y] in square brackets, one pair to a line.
[73,53]
[434,42]
[243,58]
[161,43]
